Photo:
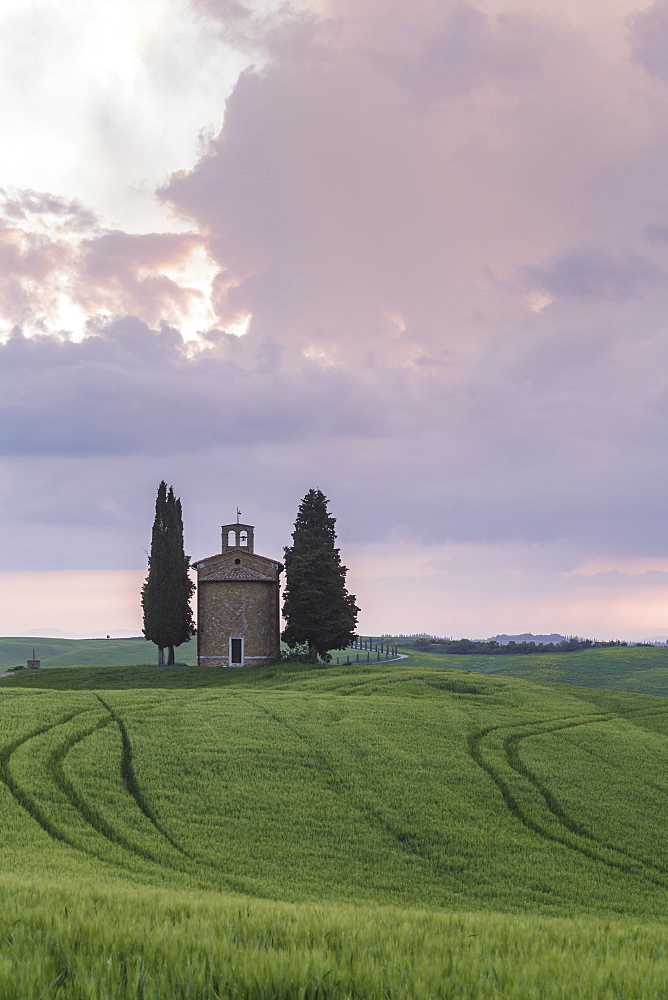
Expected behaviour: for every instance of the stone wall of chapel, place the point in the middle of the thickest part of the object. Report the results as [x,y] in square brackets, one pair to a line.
[237,608]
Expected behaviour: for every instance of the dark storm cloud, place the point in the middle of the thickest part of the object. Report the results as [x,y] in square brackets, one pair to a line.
[131,390]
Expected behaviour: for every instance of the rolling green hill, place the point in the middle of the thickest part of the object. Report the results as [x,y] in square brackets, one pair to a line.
[641,669]
[375,831]
[84,652]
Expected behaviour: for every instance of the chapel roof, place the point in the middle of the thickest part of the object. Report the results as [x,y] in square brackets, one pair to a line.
[236,573]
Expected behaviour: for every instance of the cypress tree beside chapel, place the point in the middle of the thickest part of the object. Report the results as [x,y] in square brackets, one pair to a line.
[165,596]
[317,608]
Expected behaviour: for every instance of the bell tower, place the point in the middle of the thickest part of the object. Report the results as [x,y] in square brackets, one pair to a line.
[237,536]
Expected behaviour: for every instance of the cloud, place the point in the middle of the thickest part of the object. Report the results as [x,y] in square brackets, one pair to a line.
[67,214]
[469,50]
[595,274]
[649,38]
[83,602]
[129,389]
[614,578]
[120,273]
[442,228]
[61,269]
[107,98]
[330,201]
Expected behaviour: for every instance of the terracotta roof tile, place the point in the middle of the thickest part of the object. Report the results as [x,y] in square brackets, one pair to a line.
[236,573]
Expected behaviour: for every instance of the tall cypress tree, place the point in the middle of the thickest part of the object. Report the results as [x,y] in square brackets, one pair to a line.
[317,607]
[165,596]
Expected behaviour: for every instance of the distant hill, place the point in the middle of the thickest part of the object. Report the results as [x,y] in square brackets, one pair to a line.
[503,640]
[58,652]
[51,632]
[639,669]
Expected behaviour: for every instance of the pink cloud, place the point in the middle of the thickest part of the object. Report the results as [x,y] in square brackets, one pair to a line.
[52,249]
[121,273]
[420,179]
[649,38]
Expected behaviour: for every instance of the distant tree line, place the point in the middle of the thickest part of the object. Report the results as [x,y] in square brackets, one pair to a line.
[468,647]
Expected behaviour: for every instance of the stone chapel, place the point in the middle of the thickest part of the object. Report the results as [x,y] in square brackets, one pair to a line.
[238,611]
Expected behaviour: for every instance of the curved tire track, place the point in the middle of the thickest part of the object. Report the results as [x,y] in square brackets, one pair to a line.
[89,815]
[87,811]
[511,747]
[630,863]
[406,841]
[23,798]
[129,779]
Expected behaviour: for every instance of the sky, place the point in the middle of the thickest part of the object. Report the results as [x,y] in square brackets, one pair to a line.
[413,255]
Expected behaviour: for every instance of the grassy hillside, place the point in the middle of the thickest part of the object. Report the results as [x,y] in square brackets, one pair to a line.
[83,652]
[641,669]
[381,831]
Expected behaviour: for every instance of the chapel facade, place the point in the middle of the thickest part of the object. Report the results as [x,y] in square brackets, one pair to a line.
[238,610]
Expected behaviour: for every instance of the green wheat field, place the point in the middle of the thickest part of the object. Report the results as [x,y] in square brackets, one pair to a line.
[414,830]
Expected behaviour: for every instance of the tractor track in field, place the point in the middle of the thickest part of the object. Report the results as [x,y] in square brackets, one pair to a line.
[405,840]
[87,811]
[129,779]
[630,862]
[23,798]
[54,767]
[132,786]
